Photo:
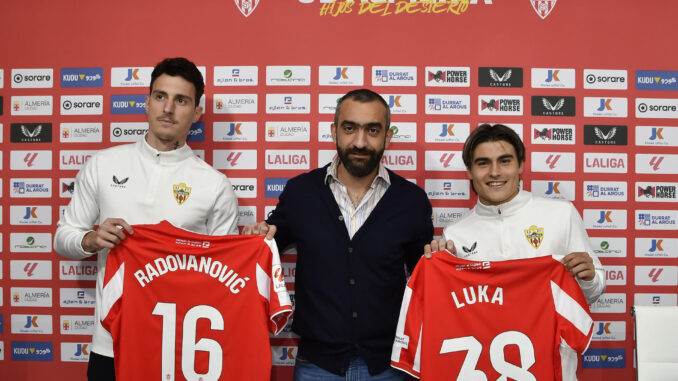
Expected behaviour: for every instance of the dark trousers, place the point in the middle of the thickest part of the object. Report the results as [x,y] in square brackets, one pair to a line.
[100,368]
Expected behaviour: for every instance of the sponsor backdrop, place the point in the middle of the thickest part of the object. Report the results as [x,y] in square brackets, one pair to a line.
[590,86]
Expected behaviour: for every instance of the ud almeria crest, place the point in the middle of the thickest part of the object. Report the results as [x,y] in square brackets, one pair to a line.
[534,236]
[543,7]
[181,192]
[246,7]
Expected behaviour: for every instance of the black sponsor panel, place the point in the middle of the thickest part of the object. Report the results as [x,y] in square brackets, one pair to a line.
[500,76]
[1,105]
[605,135]
[553,105]
[30,133]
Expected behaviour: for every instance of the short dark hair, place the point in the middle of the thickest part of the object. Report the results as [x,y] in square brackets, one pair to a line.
[183,68]
[363,96]
[492,133]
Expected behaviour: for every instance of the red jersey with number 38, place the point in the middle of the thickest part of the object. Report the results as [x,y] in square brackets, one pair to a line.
[186,306]
[465,320]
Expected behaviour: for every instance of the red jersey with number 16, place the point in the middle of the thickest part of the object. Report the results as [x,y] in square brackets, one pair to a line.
[466,320]
[186,306]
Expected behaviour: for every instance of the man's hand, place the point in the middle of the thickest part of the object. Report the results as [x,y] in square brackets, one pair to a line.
[109,234]
[437,245]
[580,265]
[260,228]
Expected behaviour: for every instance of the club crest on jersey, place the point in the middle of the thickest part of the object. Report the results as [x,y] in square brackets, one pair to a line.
[543,7]
[246,7]
[181,192]
[534,236]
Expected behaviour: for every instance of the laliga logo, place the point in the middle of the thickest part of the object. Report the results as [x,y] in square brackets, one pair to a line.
[446,159]
[551,160]
[543,7]
[246,7]
[655,161]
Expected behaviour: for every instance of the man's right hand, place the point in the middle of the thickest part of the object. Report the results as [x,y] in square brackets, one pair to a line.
[109,234]
[260,228]
[440,244]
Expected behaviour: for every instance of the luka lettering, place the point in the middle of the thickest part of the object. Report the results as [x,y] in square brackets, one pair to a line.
[478,294]
[175,262]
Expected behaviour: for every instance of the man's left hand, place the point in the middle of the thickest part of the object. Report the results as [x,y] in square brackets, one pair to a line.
[580,265]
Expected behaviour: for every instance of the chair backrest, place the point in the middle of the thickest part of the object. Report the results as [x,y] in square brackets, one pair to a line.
[656,338]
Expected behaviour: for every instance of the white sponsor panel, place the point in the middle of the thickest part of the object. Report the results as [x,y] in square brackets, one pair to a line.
[247,215]
[30,242]
[656,247]
[288,131]
[615,275]
[77,270]
[77,297]
[30,160]
[553,78]
[610,303]
[31,105]
[609,247]
[234,159]
[609,331]
[235,131]
[656,108]
[606,107]
[325,131]
[30,296]
[2,344]
[657,136]
[656,219]
[446,132]
[131,76]
[234,103]
[1,135]
[447,189]
[447,76]
[599,162]
[656,276]
[30,270]
[283,355]
[605,79]
[236,76]
[401,103]
[287,159]
[128,132]
[553,134]
[325,156]
[80,133]
[32,78]
[32,324]
[30,215]
[327,103]
[82,104]
[404,132]
[605,190]
[444,161]
[394,75]
[553,162]
[288,75]
[74,160]
[2,78]
[605,219]
[500,105]
[30,188]
[75,352]
[656,192]
[244,187]
[655,299]
[557,190]
[400,160]
[288,103]
[341,75]
[663,164]
[77,324]
[439,104]
[442,217]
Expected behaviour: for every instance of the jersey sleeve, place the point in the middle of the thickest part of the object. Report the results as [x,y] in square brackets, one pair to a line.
[406,353]
[574,323]
[112,290]
[271,285]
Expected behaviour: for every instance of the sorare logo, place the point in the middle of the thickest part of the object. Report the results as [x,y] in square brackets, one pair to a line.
[82,77]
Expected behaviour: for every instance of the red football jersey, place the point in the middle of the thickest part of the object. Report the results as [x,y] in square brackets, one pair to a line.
[186,306]
[465,320]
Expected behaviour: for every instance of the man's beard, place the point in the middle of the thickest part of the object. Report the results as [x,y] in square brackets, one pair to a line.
[359,168]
